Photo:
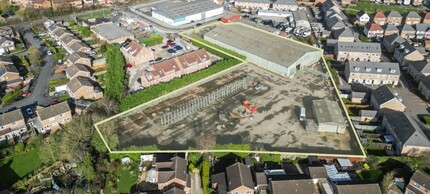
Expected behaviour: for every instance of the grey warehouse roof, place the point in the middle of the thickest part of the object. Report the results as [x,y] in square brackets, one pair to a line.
[359,47]
[384,68]
[327,111]
[270,47]
[286,2]
[175,10]
[111,31]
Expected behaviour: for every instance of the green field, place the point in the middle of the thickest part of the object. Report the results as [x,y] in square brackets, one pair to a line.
[370,8]
[19,166]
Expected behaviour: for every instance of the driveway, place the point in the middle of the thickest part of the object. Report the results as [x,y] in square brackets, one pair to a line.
[40,89]
[196,183]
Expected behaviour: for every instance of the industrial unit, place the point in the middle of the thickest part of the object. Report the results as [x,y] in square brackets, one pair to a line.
[274,53]
[178,13]
[328,116]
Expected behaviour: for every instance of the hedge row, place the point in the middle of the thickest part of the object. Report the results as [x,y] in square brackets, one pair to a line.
[231,146]
[158,90]
[58,81]
[213,51]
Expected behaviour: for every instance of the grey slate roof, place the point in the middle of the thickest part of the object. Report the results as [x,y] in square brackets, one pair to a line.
[174,190]
[10,117]
[395,14]
[407,129]
[421,178]
[78,82]
[220,181]
[255,1]
[383,94]
[72,70]
[334,23]
[327,111]
[372,188]
[3,40]
[358,94]
[76,56]
[359,47]
[68,39]
[345,32]
[77,45]
[413,14]
[423,27]
[317,172]
[385,68]
[175,168]
[327,5]
[425,81]
[303,186]
[111,31]
[406,28]
[420,66]
[61,32]
[390,27]
[8,68]
[5,60]
[239,175]
[393,39]
[286,2]
[53,110]
[300,15]
[176,10]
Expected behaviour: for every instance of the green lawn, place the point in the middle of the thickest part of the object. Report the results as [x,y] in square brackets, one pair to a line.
[19,166]
[126,179]
[96,15]
[375,175]
[373,7]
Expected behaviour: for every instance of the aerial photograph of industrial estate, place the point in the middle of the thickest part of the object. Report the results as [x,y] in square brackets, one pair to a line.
[215,96]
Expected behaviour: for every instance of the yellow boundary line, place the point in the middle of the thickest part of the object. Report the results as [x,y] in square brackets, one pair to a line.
[221,72]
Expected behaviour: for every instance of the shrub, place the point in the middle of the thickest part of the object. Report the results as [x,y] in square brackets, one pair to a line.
[85,31]
[19,147]
[206,166]
[58,81]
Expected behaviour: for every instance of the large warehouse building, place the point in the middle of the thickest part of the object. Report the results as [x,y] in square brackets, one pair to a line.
[277,54]
[178,13]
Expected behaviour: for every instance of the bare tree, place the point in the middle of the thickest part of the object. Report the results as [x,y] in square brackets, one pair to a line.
[206,141]
[110,106]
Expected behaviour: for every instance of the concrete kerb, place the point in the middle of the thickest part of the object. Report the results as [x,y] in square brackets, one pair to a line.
[239,151]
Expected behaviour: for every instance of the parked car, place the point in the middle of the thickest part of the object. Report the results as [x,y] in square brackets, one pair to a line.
[29,111]
[178,48]
[171,51]
[164,47]
[54,102]
[25,94]
[128,66]
[151,62]
[158,59]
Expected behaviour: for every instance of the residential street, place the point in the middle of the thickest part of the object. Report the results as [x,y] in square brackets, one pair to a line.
[40,88]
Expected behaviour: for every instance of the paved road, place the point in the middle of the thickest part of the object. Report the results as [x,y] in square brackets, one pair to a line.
[196,183]
[40,88]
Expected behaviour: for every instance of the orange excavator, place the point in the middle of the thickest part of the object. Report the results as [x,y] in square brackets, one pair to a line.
[250,106]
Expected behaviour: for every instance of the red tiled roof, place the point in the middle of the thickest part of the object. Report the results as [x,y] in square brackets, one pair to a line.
[133,48]
[192,58]
[374,27]
[379,14]
[5,131]
[427,16]
[38,1]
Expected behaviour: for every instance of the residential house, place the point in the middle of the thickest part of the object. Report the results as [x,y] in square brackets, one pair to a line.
[330,5]
[288,5]
[67,40]
[343,35]
[418,69]
[79,47]
[60,33]
[421,30]
[83,87]
[335,23]
[356,188]
[409,137]
[136,54]
[92,22]
[9,74]
[426,18]
[362,17]
[359,97]
[316,172]
[173,173]
[301,20]
[417,2]
[300,186]
[253,4]
[6,31]
[394,17]
[375,73]
[6,45]
[239,179]
[407,31]
[384,100]
[347,2]
[12,125]
[373,30]
[328,116]
[176,67]
[75,3]
[79,58]
[390,29]
[406,2]
[419,183]
[358,51]
[40,4]
[50,119]
[379,18]
[77,70]
[412,18]
[406,52]
[53,28]
[390,42]
[368,116]
[424,87]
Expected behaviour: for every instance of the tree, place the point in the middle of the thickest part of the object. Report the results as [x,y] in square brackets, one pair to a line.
[19,147]
[85,31]
[35,58]
[206,141]
[115,73]
[387,182]
[76,139]
[110,134]
[206,166]
[48,151]
[110,106]
[86,169]
[98,143]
